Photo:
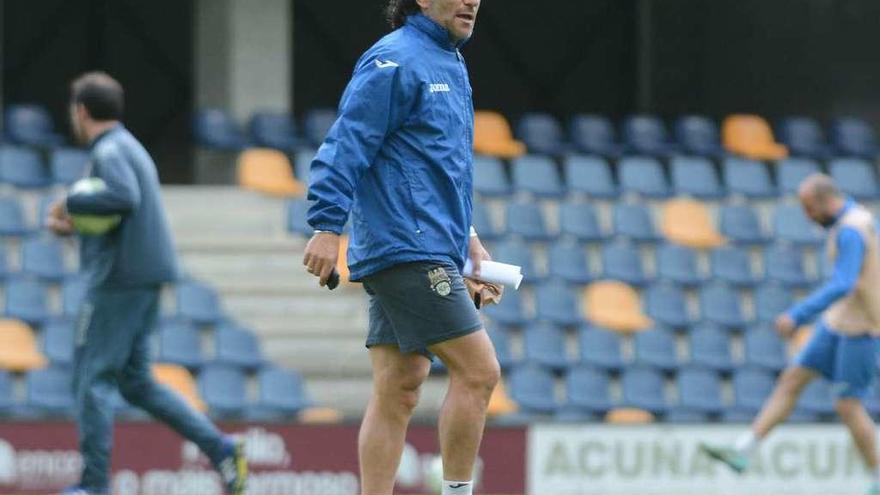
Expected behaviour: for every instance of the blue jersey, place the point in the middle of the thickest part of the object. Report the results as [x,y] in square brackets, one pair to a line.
[399,158]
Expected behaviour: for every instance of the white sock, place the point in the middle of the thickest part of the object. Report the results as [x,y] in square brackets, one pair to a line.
[458,487]
[747,443]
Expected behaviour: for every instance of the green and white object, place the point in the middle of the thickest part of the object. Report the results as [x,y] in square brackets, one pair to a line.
[92,224]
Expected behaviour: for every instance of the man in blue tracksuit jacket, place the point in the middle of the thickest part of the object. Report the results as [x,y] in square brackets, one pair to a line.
[398,162]
[125,268]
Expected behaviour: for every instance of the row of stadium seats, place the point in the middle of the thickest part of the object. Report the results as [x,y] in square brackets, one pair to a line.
[24,167]
[219,389]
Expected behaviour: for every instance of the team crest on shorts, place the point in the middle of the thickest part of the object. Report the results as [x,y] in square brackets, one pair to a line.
[440,282]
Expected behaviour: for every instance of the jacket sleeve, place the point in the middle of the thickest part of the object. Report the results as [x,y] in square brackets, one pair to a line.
[375,103]
[850,255]
[122,194]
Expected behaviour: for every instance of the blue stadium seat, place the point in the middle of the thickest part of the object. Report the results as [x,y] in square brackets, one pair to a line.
[710,348]
[26,299]
[590,175]
[749,178]
[50,391]
[646,135]
[580,221]
[571,414]
[556,302]
[791,171]
[751,387]
[656,348]
[58,338]
[855,177]
[643,175]
[490,179]
[594,134]
[12,221]
[803,137]
[7,392]
[282,392]
[792,225]
[634,222]
[817,398]
[317,123]
[238,346]
[509,311]
[784,263]
[302,163]
[740,225]
[680,415]
[532,388]
[274,130]
[695,176]
[223,389]
[500,337]
[698,135]
[215,129]
[68,165]
[764,349]
[699,390]
[665,304]
[30,125]
[771,300]
[588,389]
[678,264]
[180,343]
[297,217]
[731,264]
[517,253]
[644,388]
[600,348]
[541,133]
[621,261]
[44,258]
[537,175]
[526,221]
[569,263]
[198,303]
[73,293]
[483,223]
[852,136]
[23,168]
[720,305]
[545,345]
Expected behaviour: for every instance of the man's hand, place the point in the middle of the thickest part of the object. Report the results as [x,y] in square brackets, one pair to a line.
[785,325]
[58,220]
[322,253]
[477,253]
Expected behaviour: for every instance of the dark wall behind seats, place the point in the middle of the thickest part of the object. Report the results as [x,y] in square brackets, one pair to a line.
[146,45]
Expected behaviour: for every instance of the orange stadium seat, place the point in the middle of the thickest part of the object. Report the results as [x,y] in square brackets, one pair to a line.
[320,416]
[181,381]
[751,136]
[629,416]
[614,305]
[687,222]
[493,137]
[500,403]
[268,171]
[18,347]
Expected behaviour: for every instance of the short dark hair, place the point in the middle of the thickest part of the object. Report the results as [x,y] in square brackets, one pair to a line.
[102,95]
[398,10]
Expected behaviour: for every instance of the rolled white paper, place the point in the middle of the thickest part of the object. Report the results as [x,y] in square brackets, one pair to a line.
[496,273]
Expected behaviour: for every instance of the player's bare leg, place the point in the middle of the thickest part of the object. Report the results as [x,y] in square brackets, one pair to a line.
[473,374]
[864,433]
[776,410]
[397,380]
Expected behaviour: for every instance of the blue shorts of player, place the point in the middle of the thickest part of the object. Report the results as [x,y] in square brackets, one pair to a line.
[846,361]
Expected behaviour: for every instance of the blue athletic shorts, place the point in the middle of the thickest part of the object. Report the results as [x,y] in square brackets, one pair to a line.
[418,304]
[847,362]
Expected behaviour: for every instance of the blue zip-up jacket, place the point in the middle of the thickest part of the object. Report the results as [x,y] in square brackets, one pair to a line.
[399,157]
[847,266]
[139,252]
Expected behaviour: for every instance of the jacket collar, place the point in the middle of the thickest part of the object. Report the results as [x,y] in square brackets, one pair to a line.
[435,31]
[848,205]
[100,137]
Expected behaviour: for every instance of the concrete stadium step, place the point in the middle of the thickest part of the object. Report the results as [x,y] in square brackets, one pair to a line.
[350,395]
[223,211]
[319,304]
[308,326]
[320,356]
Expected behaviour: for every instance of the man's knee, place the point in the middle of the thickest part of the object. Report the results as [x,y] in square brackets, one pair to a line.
[134,388]
[793,381]
[848,408]
[480,378]
[400,387]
